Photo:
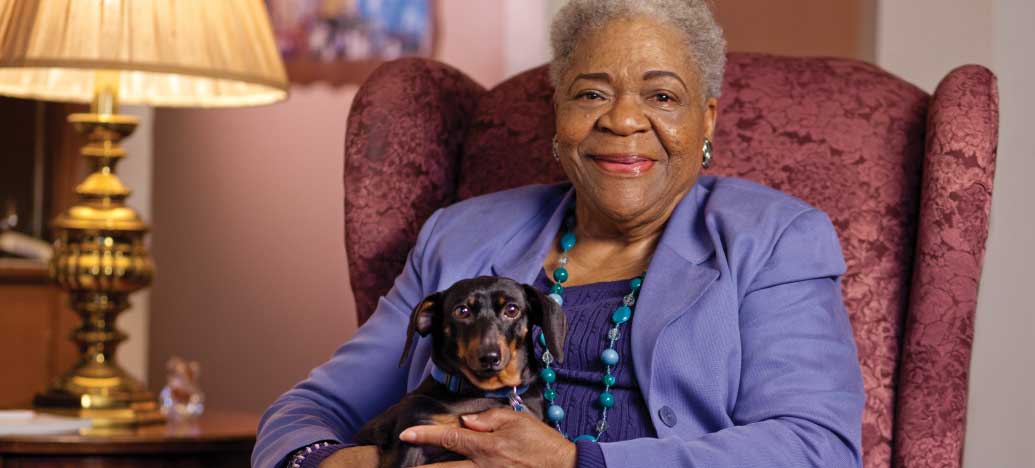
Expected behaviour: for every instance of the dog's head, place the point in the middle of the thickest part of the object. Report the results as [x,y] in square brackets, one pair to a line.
[481,328]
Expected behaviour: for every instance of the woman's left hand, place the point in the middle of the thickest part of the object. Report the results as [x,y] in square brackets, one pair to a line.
[497,437]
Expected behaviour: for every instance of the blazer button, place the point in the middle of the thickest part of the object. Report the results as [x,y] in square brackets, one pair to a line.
[667,415]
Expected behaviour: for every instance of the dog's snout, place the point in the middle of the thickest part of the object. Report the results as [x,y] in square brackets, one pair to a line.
[489,359]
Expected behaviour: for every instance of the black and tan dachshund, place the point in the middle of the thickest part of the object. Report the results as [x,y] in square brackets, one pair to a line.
[483,356]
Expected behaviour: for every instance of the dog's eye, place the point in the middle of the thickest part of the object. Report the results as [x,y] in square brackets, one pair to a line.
[461,312]
[511,311]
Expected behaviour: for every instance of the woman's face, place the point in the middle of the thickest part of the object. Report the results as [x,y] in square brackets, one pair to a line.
[631,120]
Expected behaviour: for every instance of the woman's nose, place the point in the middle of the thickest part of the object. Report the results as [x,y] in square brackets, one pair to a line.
[625,117]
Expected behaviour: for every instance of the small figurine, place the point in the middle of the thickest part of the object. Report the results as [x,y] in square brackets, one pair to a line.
[182,398]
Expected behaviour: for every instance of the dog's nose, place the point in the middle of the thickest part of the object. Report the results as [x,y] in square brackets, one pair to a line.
[489,360]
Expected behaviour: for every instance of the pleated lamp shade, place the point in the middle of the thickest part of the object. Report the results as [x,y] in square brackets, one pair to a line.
[183,53]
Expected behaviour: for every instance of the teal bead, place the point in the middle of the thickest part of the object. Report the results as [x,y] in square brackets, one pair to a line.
[550,394]
[567,241]
[608,357]
[607,400]
[635,283]
[585,437]
[608,380]
[621,315]
[556,288]
[560,275]
[554,413]
[542,338]
[556,298]
[548,375]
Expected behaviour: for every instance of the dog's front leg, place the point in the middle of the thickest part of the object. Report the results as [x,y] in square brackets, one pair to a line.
[416,455]
[405,455]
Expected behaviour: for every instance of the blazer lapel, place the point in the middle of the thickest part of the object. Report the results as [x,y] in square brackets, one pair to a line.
[524,255]
[670,289]
[675,280]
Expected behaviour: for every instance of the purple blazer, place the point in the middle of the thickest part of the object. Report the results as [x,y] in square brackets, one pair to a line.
[740,339]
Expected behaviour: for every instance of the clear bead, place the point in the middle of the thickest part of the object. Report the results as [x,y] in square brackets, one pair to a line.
[601,425]
[547,358]
[629,300]
[563,260]
[613,334]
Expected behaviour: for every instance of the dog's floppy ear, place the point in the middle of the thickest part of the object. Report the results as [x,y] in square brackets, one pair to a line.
[546,313]
[420,321]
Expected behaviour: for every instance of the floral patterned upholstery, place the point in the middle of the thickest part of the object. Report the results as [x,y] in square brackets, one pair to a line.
[405,131]
[959,164]
[905,177]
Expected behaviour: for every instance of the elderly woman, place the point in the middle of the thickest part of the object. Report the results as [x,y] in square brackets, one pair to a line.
[738,352]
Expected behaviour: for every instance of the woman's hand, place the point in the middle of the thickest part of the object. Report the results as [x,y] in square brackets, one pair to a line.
[497,437]
[364,456]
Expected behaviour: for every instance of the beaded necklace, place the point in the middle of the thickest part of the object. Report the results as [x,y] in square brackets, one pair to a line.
[609,357]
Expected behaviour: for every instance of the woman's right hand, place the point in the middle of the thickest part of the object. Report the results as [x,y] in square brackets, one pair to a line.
[364,456]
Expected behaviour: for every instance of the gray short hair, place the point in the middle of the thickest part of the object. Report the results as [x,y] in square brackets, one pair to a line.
[707,46]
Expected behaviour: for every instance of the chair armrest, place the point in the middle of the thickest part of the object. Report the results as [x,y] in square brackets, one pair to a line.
[956,197]
[402,152]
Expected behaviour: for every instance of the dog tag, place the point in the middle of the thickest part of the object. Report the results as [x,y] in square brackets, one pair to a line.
[515,401]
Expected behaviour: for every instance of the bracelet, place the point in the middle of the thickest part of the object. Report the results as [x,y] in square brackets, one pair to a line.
[299,457]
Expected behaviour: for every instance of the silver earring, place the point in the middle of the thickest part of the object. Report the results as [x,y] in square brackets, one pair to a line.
[707,150]
[556,157]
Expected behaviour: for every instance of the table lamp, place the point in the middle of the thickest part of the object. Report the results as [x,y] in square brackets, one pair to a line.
[183,53]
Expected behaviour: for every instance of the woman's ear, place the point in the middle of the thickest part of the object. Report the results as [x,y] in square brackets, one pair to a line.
[711,114]
[420,321]
[546,313]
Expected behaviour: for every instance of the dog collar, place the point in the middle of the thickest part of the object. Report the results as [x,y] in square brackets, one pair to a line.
[459,384]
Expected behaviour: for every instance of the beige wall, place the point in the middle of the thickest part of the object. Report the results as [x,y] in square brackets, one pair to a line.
[841,28]
[525,41]
[921,40]
[248,244]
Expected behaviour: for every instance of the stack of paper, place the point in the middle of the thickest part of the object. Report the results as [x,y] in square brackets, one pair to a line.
[28,422]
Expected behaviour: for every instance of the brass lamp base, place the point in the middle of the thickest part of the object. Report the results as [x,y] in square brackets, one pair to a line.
[99,259]
[125,403]
[96,388]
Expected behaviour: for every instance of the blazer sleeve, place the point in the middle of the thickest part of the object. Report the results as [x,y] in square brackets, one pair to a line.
[360,380]
[801,397]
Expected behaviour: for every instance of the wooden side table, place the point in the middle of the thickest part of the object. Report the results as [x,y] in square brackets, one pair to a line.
[215,440]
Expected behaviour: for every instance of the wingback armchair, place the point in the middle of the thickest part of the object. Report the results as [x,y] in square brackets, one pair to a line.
[906,178]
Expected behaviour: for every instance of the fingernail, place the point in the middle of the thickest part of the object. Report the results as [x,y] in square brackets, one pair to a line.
[469,417]
[408,436]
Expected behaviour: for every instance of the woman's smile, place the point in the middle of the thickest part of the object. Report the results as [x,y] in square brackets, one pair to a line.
[622,164]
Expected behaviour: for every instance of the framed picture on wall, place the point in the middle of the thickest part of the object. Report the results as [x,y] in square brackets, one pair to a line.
[342,41]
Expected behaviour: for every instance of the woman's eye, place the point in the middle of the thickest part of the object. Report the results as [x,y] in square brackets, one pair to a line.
[590,95]
[511,311]
[461,312]
[664,98]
